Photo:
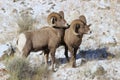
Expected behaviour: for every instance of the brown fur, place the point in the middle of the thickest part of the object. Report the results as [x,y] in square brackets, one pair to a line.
[46,39]
[73,37]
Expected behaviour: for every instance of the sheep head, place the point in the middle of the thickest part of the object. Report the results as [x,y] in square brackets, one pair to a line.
[57,19]
[83,19]
[79,26]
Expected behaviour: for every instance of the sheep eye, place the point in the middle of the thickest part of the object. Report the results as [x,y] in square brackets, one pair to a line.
[55,19]
[77,26]
[61,17]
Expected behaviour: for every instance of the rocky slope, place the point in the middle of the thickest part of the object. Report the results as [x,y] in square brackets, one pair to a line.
[104,15]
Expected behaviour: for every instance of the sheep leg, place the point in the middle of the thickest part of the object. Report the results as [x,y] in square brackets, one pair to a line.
[73,56]
[75,51]
[66,53]
[52,52]
[25,53]
[46,59]
[26,50]
[46,54]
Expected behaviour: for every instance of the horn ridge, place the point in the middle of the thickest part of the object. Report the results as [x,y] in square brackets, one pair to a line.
[53,14]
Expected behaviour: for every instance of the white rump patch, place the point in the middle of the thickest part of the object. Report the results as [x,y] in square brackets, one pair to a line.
[21,42]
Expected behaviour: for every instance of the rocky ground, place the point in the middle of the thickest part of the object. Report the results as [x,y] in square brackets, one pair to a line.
[104,15]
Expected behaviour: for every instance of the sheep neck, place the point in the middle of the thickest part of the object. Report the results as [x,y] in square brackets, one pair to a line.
[60,32]
[80,36]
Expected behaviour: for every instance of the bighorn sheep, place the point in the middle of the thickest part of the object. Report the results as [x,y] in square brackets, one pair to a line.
[73,37]
[46,39]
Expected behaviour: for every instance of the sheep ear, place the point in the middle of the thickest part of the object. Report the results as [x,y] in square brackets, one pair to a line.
[77,26]
[61,13]
[83,19]
[89,25]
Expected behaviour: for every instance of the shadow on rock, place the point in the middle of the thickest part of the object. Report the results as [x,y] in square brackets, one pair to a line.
[97,54]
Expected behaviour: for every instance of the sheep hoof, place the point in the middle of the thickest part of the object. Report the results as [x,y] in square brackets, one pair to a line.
[54,70]
[73,66]
[68,60]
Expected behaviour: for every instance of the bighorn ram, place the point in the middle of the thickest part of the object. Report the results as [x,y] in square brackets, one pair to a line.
[46,39]
[73,37]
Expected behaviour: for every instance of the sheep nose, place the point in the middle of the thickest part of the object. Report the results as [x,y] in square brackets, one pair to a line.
[68,25]
[89,32]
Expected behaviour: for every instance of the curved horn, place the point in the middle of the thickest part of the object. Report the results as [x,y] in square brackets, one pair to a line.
[83,19]
[53,14]
[73,26]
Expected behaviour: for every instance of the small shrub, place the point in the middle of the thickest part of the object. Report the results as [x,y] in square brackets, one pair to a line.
[25,22]
[14,0]
[42,73]
[20,69]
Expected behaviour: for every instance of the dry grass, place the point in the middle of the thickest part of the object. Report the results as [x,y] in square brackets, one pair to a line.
[117,56]
[25,23]
[20,69]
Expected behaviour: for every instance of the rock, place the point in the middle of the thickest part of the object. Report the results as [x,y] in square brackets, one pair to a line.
[36,58]
[80,62]
[6,50]
[104,15]
[3,72]
[103,4]
[98,70]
